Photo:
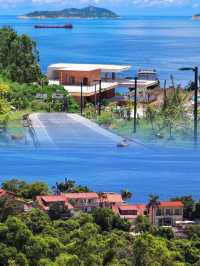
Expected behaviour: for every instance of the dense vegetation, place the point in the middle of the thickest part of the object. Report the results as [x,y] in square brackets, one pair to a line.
[100,238]
[18,57]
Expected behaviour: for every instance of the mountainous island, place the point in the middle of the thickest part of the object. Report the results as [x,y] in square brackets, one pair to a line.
[196,17]
[87,12]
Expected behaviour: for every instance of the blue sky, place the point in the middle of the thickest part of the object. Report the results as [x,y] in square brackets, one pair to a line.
[146,7]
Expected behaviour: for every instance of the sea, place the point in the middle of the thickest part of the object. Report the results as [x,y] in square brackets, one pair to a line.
[161,43]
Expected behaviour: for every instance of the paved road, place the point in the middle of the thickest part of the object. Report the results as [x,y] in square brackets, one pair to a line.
[60,129]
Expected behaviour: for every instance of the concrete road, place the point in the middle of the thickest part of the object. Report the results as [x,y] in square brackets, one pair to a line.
[61,129]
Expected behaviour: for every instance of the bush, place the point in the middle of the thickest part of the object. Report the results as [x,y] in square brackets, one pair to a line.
[39,106]
[105,118]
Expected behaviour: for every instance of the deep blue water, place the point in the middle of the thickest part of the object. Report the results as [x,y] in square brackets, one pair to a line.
[164,43]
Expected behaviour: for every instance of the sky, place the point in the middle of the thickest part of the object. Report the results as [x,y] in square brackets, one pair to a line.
[122,7]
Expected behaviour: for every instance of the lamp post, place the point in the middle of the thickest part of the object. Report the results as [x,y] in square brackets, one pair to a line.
[81,98]
[100,98]
[195,70]
[135,105]
[100,94]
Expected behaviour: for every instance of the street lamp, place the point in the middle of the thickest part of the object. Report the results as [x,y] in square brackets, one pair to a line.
[135,105]
[81,98]
[100,94]
[195,70]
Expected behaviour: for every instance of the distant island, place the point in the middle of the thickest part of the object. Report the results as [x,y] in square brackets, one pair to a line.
[196,17]
[89,12]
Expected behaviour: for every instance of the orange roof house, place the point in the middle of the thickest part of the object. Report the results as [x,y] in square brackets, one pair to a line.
[166,213]
[45,202]
[85,201]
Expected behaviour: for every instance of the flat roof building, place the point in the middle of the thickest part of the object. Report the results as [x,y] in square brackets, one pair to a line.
[71,76]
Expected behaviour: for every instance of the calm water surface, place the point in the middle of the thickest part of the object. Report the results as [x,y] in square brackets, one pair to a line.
[166,44]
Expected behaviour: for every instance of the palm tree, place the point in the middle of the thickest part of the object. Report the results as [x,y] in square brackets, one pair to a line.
[126,194]
[151,207]
[66,186]
[102,197]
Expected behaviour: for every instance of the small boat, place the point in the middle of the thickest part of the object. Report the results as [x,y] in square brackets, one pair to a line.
[124,143]
[66,26]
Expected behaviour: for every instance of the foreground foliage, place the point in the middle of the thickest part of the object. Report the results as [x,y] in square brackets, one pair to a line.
[33,239]
[101,238]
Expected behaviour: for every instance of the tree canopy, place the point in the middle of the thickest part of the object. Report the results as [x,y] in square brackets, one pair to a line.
[19,57]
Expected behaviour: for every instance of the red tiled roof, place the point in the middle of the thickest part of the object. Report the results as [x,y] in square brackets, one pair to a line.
[175,204]
[81,195]
[52,198]
[2,192]
[43,200]
[112,198]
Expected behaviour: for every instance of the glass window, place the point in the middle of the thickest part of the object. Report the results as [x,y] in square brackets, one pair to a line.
[168,212]
[177,212]
[158,212]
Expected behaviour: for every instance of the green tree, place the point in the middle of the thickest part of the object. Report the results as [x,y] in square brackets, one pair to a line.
[18,57]
[25,190]
[149,250]
[126,194]
[107,220]
[142,224]
[67,260]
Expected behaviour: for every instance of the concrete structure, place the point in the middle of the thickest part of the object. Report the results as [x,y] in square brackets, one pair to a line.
[71,76]
[166,213]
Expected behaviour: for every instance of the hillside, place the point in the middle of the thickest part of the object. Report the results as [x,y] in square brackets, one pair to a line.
[87,12]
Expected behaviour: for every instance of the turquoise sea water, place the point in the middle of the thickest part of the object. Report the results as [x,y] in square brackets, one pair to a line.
[164,43]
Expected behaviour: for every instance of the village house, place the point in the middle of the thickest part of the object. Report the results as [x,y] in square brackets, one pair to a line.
[110,199]
[166,213]
[85,201]
[47,203]
[11,198]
